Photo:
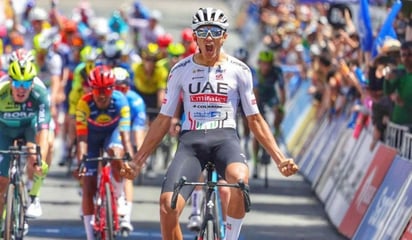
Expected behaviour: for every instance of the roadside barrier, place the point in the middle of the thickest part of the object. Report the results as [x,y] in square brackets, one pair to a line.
[406,149]
[394,135]
[367,193]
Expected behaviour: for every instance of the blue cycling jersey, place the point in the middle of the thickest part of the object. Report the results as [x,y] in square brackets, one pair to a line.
[137,110]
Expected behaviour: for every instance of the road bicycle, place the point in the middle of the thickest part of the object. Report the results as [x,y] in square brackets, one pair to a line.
[212,227]
[106,220]
[16,195]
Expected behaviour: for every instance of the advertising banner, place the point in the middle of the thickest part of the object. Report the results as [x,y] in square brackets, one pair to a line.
[401,214]
[336,130]
[350,173]
[364,195]
[297,142]
[355,166]
[386,201]
[407,234]
[316,147]
[334,160]
[296,110]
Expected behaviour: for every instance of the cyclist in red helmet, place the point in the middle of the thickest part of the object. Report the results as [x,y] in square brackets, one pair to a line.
[163,41]
[188,42]
[102,123]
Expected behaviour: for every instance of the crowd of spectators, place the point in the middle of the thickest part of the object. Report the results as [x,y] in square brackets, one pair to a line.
[323,39]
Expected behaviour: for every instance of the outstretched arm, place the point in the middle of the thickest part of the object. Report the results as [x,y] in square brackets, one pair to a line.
[261,131]
[159,127]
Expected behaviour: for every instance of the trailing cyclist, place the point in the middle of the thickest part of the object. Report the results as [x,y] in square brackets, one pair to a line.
[24,114]
[102,123]
[88,57]
[270,93]
[149,81]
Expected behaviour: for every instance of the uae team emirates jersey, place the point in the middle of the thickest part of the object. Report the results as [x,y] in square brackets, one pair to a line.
[211,95]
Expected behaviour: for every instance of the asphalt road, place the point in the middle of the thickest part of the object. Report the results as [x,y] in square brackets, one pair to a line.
[286,210]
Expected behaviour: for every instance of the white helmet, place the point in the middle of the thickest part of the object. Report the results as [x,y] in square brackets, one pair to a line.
[22,55]
[209,16]
[38,14]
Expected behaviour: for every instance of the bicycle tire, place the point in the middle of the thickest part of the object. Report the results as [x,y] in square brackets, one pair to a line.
[69,161]
[10,218]
[210,230]
[109,213]
[21,201]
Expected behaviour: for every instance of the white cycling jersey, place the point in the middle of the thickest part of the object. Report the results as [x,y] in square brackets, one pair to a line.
[211,95]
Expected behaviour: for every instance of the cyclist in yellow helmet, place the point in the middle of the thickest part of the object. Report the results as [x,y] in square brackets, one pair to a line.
[175,53]
[24,114]
[150,79]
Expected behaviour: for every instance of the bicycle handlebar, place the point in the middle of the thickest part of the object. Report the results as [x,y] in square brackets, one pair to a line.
[23,150]
[126,157]
[210,184]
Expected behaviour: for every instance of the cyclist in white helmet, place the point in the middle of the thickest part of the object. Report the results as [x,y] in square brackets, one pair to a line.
[211,84]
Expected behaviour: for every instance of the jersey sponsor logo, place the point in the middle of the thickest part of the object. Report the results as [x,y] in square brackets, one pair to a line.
[42,113]
[219,76]
[104,121]
[18,115]
[12,106]
[220,88]
[209,92]
[207,115]
[208,98]
[27,107]
[103,118]
[197,70]
[207,106]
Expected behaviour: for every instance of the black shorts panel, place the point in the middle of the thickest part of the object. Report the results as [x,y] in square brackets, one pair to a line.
[196,148]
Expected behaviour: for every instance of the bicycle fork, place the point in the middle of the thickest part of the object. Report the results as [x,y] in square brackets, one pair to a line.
[99,223]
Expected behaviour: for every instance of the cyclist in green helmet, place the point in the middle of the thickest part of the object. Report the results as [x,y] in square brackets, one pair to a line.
[270,94]
[24,114]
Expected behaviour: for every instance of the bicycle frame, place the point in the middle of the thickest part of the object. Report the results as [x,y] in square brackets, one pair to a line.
[103,215]
[16,196]
[212,225]
[106,219]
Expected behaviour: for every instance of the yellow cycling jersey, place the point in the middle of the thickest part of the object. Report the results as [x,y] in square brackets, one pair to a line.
[77,91]
[151,85]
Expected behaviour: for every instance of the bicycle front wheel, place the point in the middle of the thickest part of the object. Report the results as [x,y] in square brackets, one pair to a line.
[10,217]
[109,213]
[20,207]
[210,230]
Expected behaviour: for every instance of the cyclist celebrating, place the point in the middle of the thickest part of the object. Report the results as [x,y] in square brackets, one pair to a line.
[102,123]
[212,84]
[24,113]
